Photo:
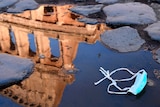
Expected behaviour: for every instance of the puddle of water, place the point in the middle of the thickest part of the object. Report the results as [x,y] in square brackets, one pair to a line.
[52,88]
[83,93]
[5,102]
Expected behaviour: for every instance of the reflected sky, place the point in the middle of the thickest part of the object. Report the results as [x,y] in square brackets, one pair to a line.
[5,102]
[12,37]
[83,93]
[54,47]
[32,42]
[89,57]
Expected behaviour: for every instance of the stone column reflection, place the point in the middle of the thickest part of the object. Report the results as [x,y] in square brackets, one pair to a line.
[5,38]
[22,41]
[43,45]
[69,46]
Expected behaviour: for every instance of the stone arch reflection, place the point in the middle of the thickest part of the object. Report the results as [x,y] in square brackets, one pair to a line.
[46,85]
[43,27]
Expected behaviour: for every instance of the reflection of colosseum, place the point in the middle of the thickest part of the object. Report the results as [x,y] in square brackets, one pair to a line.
[46,85]
[46,22]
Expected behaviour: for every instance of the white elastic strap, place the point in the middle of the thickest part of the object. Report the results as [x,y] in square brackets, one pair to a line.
[108,75]
[114,92]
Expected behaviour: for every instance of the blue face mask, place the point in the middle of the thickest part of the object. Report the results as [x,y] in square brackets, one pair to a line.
[139,83]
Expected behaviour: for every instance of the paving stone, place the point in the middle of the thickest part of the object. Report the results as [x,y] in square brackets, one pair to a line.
[14,69]
[7,3]
[23,5]
[106,1]
[154,31]
[88,9]
[123,39]
[129,13]
[88,20]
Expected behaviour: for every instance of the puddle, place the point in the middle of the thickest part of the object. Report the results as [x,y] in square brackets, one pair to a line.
[54,89]
[89,58]
[67,58]
[5,102]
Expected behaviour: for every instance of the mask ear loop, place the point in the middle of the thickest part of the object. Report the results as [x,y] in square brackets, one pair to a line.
[114,82]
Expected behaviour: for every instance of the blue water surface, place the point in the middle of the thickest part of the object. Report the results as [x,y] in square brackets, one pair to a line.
[6,102]
[83,93]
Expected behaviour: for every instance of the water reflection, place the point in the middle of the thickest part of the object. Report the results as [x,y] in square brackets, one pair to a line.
[44,88]
[55,43]
[35,34]
[31,32]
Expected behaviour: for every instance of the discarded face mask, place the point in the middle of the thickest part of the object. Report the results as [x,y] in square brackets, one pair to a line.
[139,83]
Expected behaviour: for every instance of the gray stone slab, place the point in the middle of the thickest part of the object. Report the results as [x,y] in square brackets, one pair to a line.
[23,5]
[129,13]
[7,3]
[107,1]
[79,0]
[123,39]
[14,69]
[88,20]
[88,9]
[154,31]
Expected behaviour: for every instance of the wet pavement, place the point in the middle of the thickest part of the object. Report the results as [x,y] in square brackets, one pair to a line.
[67,56]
